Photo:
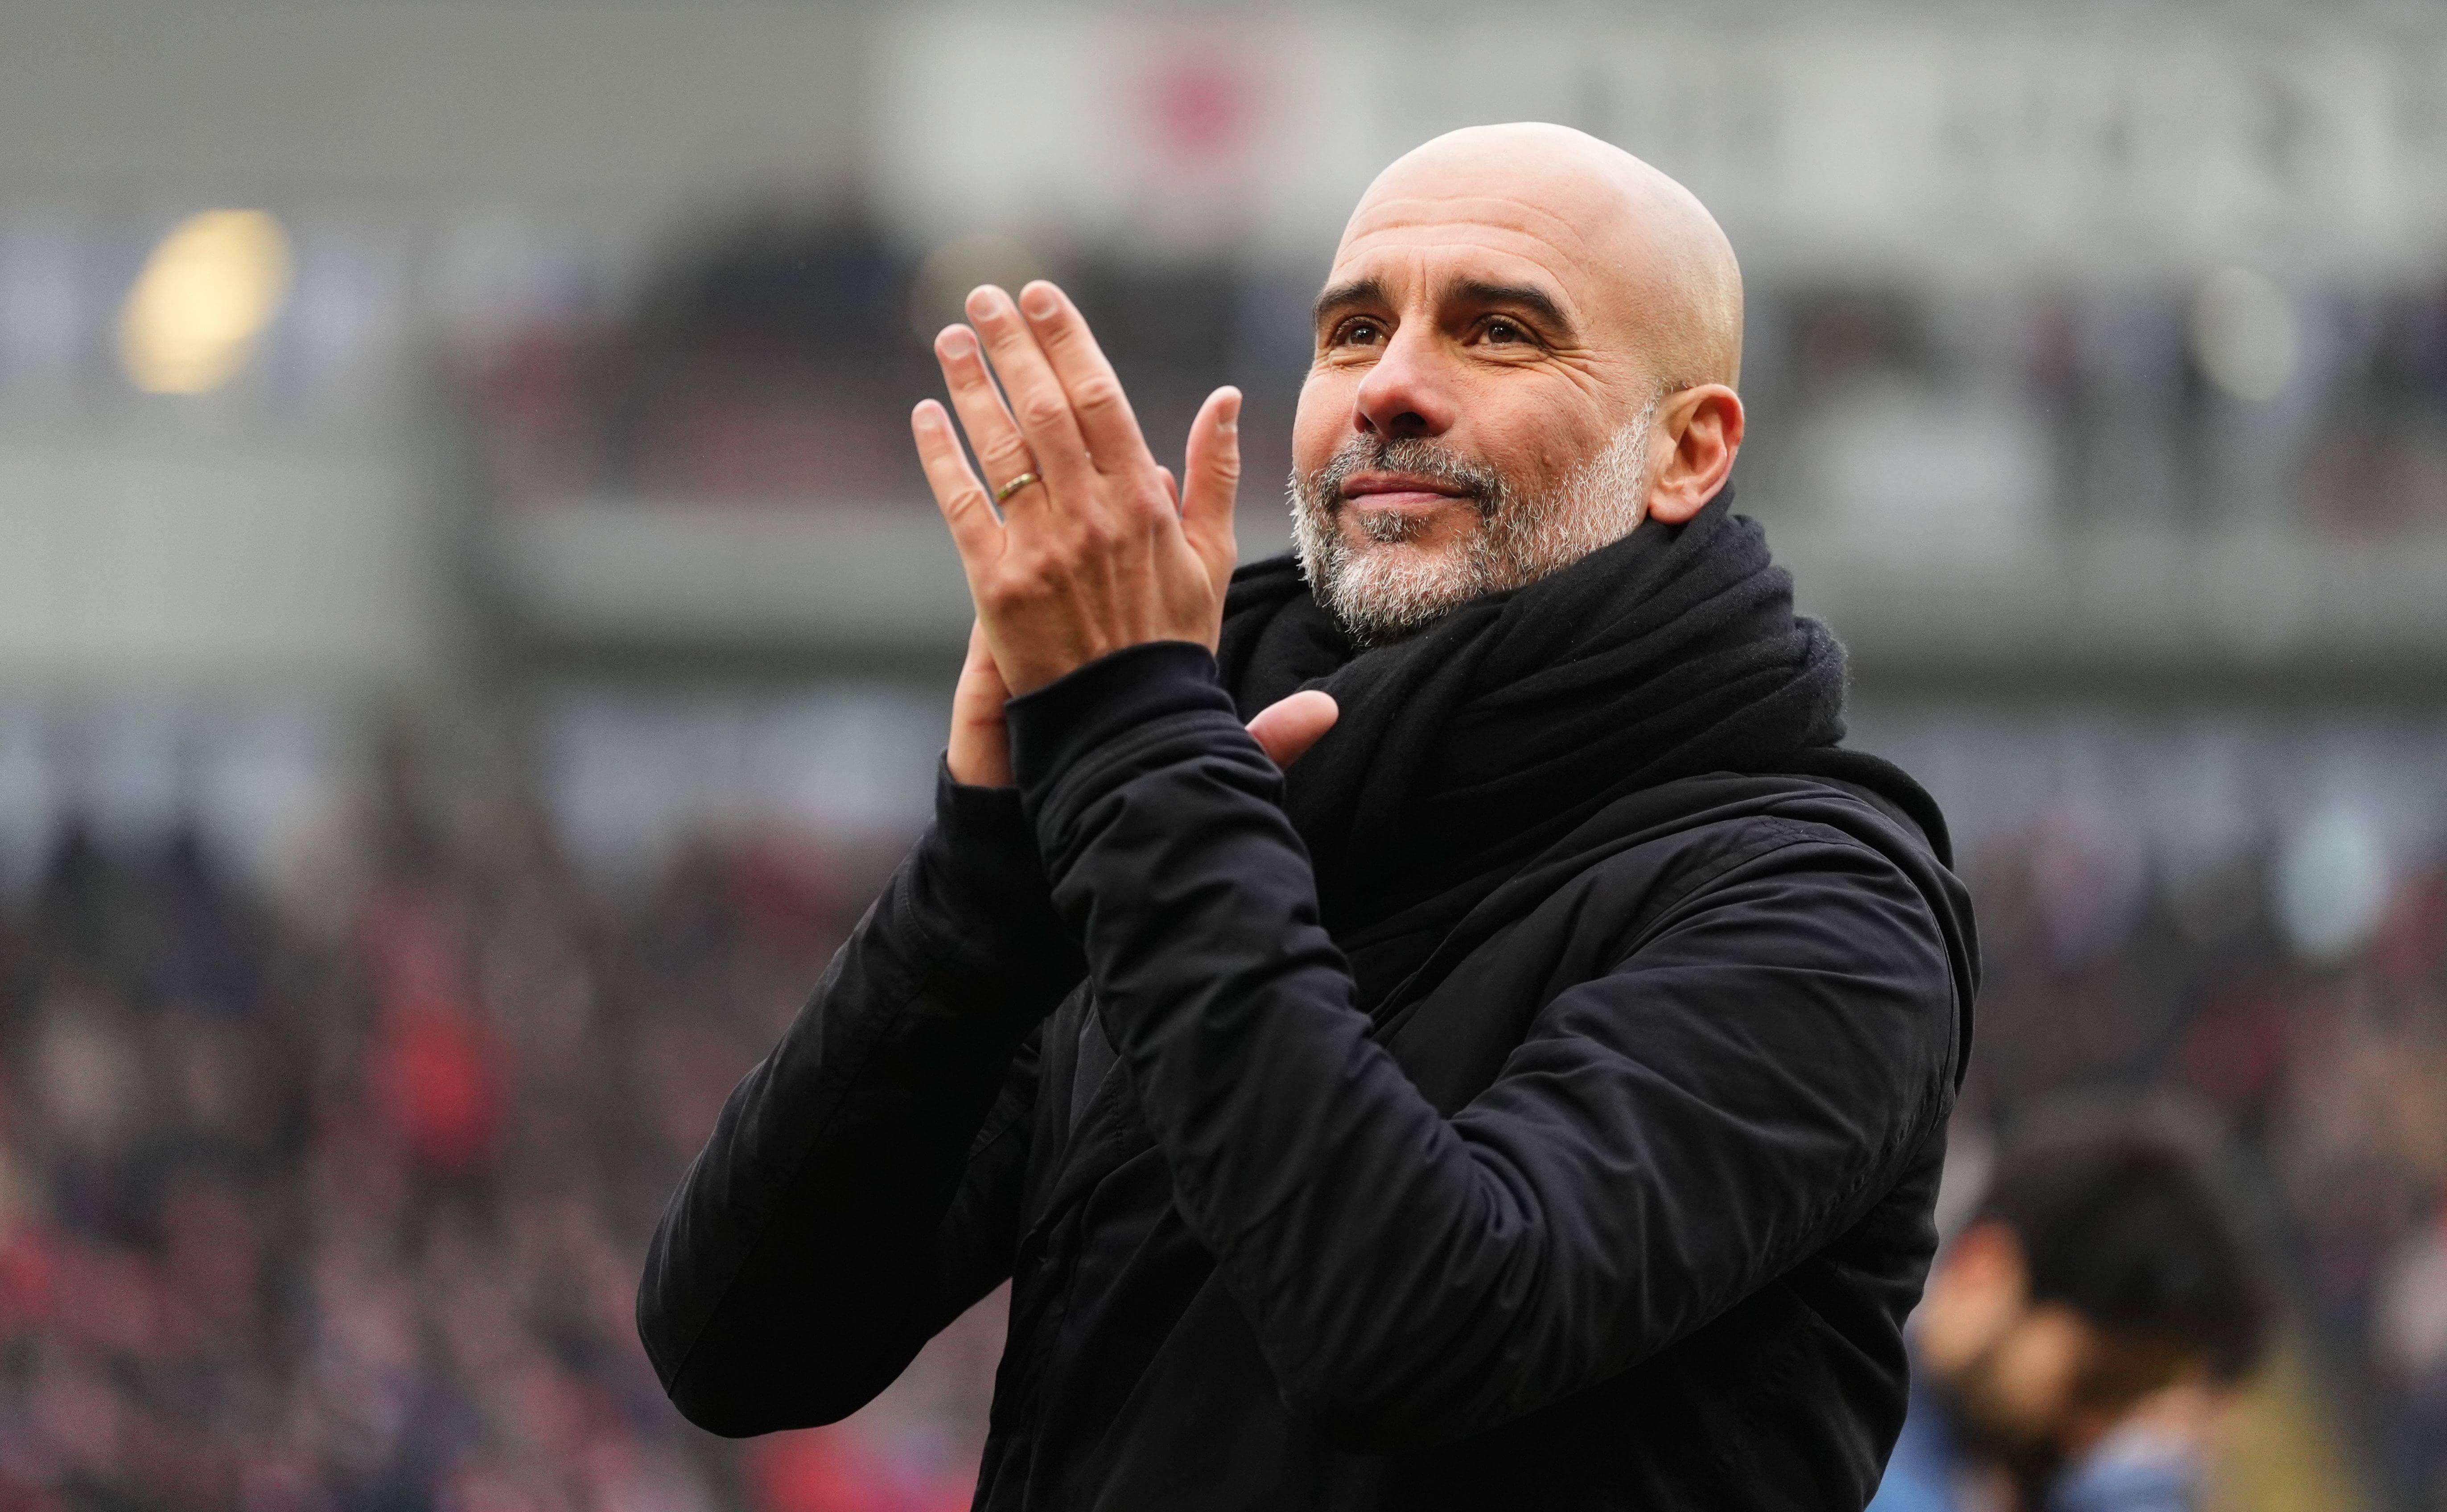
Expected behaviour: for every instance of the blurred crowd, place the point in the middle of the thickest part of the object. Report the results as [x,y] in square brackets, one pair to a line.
[333,1197]
[2324,1058]
[338,1203]
[775,359]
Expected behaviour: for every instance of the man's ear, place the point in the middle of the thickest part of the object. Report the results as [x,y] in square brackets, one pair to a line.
[1704,426]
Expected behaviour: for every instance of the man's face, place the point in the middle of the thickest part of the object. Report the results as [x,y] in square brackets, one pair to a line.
[1479,412]
[2011,1366]
[2031,1382]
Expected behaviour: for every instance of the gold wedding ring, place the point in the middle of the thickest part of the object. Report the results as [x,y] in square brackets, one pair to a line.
[1016,485]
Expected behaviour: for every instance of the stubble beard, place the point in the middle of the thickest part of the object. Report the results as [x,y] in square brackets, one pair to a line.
[1384,587]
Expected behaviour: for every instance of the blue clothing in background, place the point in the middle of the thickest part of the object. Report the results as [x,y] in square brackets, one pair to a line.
[2130,1470]
[1920,1473]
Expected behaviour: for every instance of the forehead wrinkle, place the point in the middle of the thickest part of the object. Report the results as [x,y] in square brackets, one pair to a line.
[1422,210]
[1486,234]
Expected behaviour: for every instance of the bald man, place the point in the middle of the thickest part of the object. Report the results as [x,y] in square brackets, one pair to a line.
[1435,1020]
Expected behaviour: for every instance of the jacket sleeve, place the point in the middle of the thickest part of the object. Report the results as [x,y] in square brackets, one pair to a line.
[1668,1137]
[862,1185]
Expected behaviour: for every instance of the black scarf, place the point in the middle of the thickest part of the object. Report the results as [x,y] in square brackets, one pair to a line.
[1471,746]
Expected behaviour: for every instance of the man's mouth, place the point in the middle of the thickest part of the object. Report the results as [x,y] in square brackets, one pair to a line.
[1405,492]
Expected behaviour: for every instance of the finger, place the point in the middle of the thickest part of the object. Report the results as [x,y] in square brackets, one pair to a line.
[1037,400]
[1287,728]
[963,500]
[981,669]
[1115,444]
[1172,488]
[978,751]
[1211,473]
[1002,452]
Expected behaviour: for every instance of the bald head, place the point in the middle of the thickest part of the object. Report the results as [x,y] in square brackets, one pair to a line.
[1658,266]
[1526,347]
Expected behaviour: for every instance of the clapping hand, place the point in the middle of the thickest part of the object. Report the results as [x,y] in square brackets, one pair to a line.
[1095,548]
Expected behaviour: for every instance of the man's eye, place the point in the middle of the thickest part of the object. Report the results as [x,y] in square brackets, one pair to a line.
[1504,332]
[1357,334]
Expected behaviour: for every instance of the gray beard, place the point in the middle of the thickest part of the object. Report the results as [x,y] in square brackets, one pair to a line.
[1384,589]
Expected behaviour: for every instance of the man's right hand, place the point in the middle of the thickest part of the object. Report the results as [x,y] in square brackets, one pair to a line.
[979,751]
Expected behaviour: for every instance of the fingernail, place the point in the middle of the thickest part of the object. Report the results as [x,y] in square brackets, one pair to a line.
[985,302]
[956,341]
[1038,300]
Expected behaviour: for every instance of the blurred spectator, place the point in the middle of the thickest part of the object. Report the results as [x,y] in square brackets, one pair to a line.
[2075,1337]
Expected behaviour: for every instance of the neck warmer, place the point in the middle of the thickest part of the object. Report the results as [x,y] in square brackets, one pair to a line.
[1470,746]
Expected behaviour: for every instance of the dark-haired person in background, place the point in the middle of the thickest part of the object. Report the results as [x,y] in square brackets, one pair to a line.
[2078,1334]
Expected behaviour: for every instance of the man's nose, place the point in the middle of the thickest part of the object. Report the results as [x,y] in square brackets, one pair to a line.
[1406,393]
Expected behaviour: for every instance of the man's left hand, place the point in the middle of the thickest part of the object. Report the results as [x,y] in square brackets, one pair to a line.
[1099,552]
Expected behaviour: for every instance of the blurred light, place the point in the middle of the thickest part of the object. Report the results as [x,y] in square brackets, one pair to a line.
[194,316]
[944,279]
[2332,882]
[2243,331]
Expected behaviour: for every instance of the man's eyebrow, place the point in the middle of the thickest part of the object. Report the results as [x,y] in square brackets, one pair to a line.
[1369,291]
[1527,297]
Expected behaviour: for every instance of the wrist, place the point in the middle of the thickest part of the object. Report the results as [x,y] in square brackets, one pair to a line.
[1053,663]
[989,910]
[1051,727]
[975,759]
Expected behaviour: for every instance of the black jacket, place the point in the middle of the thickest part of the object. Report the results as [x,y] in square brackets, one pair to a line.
[1616,1198]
